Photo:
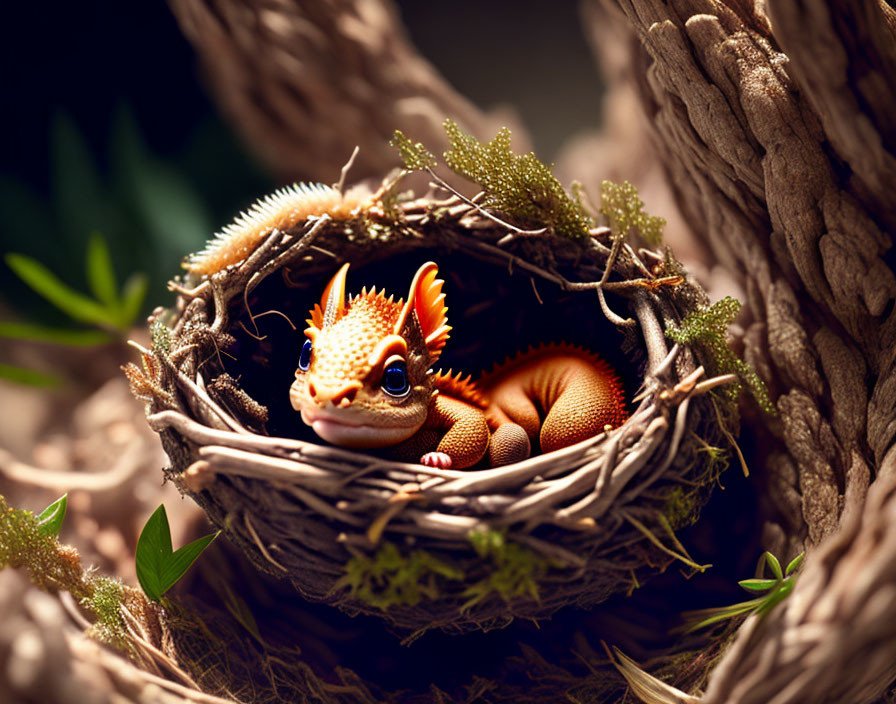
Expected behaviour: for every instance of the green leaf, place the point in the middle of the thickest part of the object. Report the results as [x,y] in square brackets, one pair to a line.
[45,282]
[758,585]
[795,564]
[25,219]
[50,519]
[100,273]
[181,560]
[29,377]
[132,295]
[158,567]
[81,203]
[171,213]
[240,610]
[775,566]
[59,336]
[153,548]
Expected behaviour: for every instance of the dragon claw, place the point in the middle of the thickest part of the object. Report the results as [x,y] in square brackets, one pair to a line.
[436,459]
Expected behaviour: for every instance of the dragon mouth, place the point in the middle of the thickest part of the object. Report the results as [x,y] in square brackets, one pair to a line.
[348,431]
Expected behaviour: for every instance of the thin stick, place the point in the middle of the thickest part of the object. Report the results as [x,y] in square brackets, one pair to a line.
[259,544]
[340,184]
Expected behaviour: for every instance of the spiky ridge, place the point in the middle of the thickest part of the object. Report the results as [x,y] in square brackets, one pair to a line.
[459,387]
[283,209]
[544,349]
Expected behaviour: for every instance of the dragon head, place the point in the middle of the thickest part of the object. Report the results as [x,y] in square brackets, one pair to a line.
[363,376]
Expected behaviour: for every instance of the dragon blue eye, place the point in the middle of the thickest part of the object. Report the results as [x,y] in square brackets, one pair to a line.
[305,356]
[395,379]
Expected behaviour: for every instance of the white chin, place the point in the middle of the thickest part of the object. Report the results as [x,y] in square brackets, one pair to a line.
[357,436]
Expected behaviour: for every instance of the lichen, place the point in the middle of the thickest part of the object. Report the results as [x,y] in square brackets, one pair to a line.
[624,211]
[708,326]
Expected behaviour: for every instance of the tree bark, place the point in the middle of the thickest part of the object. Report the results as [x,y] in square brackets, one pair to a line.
[307,81]
[777,136]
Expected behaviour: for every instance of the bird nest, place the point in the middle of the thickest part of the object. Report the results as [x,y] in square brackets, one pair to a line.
[422,546]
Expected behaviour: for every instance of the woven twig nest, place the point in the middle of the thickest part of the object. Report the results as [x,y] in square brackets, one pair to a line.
[426,547]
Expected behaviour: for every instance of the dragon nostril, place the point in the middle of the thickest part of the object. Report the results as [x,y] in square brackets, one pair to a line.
[312,391]
[345,396]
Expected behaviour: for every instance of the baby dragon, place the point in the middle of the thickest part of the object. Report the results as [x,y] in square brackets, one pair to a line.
[364,381]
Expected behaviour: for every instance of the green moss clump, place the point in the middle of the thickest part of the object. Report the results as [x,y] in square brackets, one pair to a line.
[518,186]
[389,578]
[516,570]
[624,212]
[681,507]
[51,566]
[54,567]
[709,326]
[160,336]
[105,602]
[415,156]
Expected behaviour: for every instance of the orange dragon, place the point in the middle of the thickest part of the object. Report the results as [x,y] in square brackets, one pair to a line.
[364,381]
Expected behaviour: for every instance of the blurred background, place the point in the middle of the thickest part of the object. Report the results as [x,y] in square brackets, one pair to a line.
[108,128]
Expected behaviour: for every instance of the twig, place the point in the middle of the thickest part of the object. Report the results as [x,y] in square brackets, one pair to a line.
[441,183]
[259,544]
[340,184]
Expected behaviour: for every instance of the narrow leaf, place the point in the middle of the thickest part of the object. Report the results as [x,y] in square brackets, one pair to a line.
[177,564]
[240,610]
[81,202]
[132,295]
[100,272]
[795,564]
[775,566]
[153,552]
[29,377]
[45,282]
[170,212]
[59,336]
[758,585]
[50,519]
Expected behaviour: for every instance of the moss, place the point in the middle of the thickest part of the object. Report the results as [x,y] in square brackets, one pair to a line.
[54,567]
[624,211]
[414,155]
[51,566]
[708,326]
[516,570]
[681,507]
[389,578]
[160,336]
[518,186]
[105,602]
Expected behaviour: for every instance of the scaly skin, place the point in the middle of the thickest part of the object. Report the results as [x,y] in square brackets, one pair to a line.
[440,420]
[557,393]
